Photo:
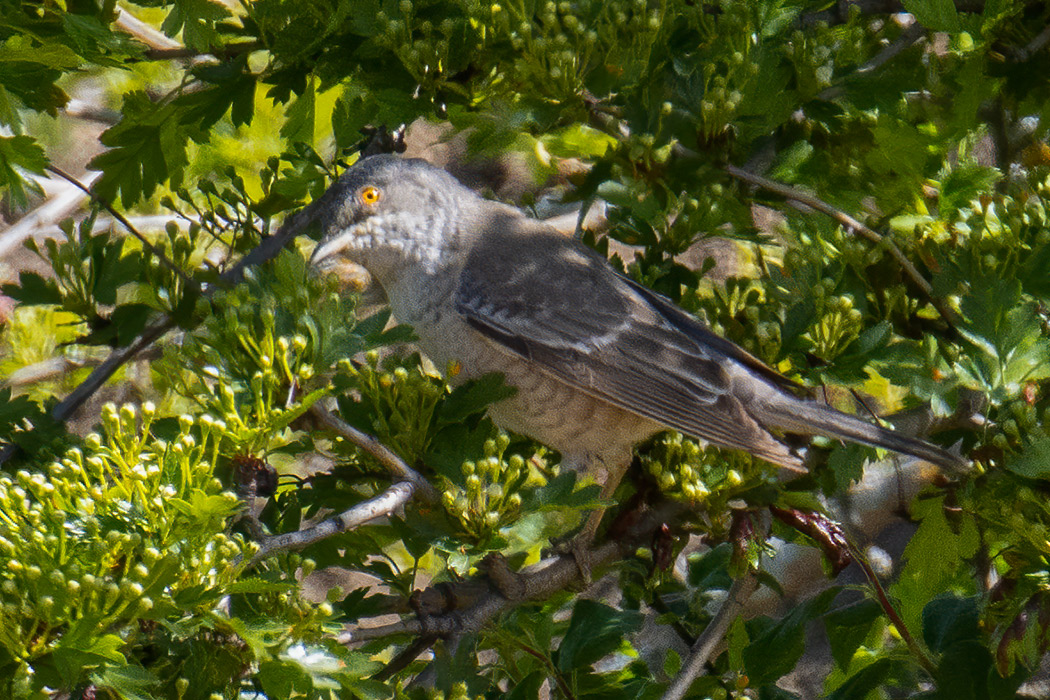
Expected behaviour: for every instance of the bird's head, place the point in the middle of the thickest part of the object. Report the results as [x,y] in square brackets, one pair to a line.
[390,215]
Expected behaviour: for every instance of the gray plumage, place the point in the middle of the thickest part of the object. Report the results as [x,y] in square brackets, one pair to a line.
[600,362]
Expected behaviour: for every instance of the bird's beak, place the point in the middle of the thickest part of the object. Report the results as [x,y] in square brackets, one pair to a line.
[325,254]
[327,260]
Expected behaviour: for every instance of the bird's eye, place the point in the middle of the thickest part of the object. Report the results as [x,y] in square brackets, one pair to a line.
[369,194]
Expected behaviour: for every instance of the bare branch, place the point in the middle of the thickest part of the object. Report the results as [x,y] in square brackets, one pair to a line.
[44,370]
[144,32]
[813,202]
[704,648]
[382,454]
[228,51]
[383,504]
[63,199]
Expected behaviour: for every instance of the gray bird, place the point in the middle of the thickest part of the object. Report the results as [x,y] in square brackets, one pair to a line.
[600,362]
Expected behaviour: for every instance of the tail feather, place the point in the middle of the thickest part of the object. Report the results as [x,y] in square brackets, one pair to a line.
[811,418]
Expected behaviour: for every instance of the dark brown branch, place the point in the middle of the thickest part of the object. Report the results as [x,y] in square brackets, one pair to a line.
[382,454]
[537,582]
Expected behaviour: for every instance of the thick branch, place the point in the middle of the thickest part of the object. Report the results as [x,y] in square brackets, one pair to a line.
[228,51]
[537,582]
[383,504]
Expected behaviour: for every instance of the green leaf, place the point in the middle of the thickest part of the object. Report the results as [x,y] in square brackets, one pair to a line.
[949,619]
[1033,462]
[872,677]
[300,117]
[280,679]
[935,558]
[131,682]
[775,650]
[936,15]
[196,20]
[960,186]
[20,153]
[472,398]
[49,54]
[33,289]
[595,630]
[848,627]
[147,148]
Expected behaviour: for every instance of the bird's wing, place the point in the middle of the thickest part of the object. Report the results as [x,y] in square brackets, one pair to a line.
[560,306]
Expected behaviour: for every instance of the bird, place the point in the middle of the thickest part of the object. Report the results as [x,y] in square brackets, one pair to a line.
[600,362]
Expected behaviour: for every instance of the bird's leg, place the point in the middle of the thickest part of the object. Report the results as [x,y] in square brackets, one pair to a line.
[580,545]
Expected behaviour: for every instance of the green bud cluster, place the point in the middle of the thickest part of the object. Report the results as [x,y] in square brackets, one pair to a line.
[705,477]
[838,323]
[403,399]
[489,495]
[252,364]
[114,532]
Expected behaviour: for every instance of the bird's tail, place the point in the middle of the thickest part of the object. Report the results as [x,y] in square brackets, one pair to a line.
[811,418]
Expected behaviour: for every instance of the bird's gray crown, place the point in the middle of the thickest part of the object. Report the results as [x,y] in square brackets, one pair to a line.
[413,218]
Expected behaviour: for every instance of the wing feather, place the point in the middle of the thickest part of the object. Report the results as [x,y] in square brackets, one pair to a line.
[596,331]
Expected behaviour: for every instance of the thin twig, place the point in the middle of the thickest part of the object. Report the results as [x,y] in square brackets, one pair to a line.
[739,593]
[891,612]
[382,454]
[179,272]
[63,198]
[292,227]
[383,504]
[804,198]
[911,34]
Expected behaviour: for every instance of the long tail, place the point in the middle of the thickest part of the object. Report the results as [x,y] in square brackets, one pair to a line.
[811,418]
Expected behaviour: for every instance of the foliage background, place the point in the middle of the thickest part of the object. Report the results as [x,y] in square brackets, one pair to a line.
[126,566]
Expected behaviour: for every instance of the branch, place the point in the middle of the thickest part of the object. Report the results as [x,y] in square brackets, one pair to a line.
[382,454]
[537,582]
[292,227]
[383,504]
[739,593]
[911,34]
[227,51]
[1031,48]
[63,199]
[179,272]
[804,198]
[144,32]
[891,612]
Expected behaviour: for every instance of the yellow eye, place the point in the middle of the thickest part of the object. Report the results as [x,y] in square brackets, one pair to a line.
[369,195]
